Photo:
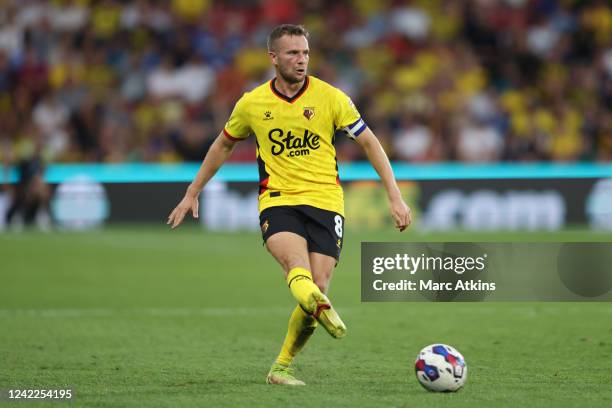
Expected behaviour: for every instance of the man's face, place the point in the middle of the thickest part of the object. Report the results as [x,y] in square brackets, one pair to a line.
[290,57]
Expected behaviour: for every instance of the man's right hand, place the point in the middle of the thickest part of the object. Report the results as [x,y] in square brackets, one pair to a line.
[188,203]
[401,213]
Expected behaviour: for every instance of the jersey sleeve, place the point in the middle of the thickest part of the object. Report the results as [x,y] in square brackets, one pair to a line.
[237,127]
[347,116]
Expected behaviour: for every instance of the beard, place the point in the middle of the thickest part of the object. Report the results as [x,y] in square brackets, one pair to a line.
[288,76]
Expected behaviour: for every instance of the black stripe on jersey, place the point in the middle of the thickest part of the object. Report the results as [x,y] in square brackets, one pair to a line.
[336,158]
[285,97]
[264,177]
[337,172]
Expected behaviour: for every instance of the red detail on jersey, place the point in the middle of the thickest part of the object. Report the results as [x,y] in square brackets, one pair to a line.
[263,186]
[285,97]
[338,180]
[230,137]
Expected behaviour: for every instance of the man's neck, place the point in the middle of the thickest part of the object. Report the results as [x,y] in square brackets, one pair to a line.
[286,88]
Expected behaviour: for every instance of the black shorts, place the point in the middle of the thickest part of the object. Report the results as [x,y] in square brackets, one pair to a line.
[321,229]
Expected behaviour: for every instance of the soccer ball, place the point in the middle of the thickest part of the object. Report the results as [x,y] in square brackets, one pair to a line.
[440,368]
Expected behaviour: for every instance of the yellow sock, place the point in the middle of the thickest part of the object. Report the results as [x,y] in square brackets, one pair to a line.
[301,285]
[301,327]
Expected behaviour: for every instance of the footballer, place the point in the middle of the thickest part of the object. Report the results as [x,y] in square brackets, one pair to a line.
[294,118]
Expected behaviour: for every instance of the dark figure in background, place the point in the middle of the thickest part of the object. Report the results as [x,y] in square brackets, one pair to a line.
[30,193]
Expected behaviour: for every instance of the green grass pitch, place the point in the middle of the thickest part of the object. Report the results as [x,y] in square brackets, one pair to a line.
[151,317]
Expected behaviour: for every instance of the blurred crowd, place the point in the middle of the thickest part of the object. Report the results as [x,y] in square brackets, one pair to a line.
[437,80]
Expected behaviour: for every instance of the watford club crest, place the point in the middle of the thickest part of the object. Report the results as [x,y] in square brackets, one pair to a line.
[309,113]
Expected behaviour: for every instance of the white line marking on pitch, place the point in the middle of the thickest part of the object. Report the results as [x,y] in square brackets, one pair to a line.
[97,312]
[364,309]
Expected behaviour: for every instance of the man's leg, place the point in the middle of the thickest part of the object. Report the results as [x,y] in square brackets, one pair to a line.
[16,204]
[290,250]
[301,324]
[322,267]
[300,328]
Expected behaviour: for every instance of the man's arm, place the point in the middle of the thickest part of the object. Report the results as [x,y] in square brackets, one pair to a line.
[377,156]
[219,151]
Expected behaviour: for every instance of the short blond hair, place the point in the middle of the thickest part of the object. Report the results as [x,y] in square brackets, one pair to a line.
[285,29]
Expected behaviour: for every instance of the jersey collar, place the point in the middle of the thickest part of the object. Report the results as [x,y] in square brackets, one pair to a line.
[285,97]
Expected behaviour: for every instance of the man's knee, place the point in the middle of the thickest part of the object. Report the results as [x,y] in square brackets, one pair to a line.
[322,283]
[292,260]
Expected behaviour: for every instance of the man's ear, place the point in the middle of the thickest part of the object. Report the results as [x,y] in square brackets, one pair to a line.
[273,58]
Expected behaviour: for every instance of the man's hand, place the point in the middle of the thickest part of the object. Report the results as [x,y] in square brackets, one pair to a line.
[188,203]
[220,150]
[400,213]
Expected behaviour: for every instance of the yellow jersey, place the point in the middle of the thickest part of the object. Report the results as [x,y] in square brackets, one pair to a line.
[295,141]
